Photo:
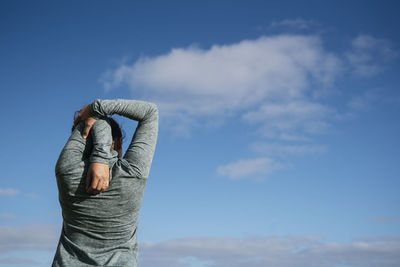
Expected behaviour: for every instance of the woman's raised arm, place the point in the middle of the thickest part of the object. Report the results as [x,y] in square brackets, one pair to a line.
[95,149]
[141,149]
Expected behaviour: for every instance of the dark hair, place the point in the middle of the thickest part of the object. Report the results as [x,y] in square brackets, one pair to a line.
[116,131]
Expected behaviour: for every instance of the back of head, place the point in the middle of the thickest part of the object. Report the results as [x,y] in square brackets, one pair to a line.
[116,133]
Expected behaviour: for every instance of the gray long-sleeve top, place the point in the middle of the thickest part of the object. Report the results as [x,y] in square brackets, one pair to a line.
[100,230]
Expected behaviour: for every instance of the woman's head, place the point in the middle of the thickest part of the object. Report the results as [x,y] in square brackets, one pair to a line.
[116,133]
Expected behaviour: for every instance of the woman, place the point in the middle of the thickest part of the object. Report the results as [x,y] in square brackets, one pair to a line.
[100,191]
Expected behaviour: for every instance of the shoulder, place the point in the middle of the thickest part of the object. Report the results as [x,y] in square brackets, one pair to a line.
[123,168]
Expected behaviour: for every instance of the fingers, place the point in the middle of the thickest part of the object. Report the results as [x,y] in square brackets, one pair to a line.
[97,178]
[102,186]
[88,125]
[94,186]
[84,115]
[97,186]
[86,131]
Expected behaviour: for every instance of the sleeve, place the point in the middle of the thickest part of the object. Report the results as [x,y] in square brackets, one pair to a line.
[96,148]
[141,149]
[102,140]
[73,151]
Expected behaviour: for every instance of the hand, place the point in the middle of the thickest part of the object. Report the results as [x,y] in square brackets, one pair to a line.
[97,178]
[84,115]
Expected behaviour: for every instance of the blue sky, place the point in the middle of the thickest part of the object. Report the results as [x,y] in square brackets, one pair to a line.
[278,142]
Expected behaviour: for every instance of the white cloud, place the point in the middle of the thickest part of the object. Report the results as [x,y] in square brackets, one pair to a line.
[277,149]
[275,84]
[18,261]
[229,78]
[9,192]
[248,79]
[300,251]
[7,216]
[295,117]
[195,262]
[245,168]
[369,55]
[28,237]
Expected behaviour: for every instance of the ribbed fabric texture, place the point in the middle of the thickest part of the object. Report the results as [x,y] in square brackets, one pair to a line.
[100,230]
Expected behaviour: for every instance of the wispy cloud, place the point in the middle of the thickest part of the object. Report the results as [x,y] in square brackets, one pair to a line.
[298,23]
[246,168]
[293,118]
[276,85]
[9,192]
[363,101]
[33,195]
[277,149]
[386,219]
[7,216]
[18,261]
[369,55]
[299,251]
[28,237]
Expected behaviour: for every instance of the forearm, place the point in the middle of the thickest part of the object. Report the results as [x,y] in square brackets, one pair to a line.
[141,149]
[101,158]
[102,141]
[132,109]
[96,148]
